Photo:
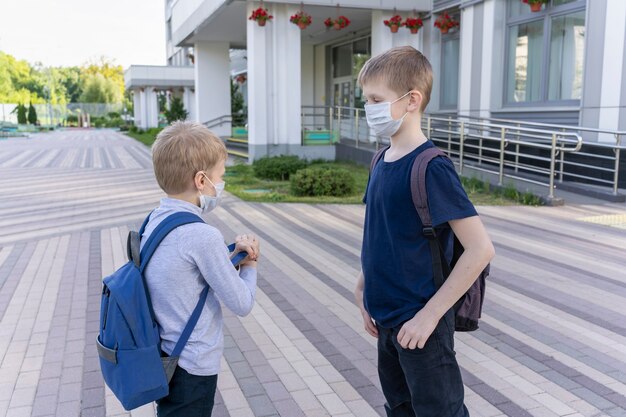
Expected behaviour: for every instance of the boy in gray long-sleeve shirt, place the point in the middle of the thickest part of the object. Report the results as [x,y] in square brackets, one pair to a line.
[189,164]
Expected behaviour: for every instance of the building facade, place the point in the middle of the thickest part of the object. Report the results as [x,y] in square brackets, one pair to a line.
[563,64]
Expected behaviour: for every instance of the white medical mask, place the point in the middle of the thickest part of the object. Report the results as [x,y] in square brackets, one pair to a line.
[379,118]
[209,202]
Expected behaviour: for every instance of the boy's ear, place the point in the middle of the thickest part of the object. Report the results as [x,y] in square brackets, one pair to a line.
[415,100]
[198,180]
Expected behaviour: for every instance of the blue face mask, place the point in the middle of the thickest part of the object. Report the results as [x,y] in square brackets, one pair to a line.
[209,202]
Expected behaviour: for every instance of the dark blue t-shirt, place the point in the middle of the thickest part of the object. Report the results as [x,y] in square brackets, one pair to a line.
[395,257]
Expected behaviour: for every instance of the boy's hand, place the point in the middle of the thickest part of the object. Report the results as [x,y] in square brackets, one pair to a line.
[247,243]
[415,332]
[369,324]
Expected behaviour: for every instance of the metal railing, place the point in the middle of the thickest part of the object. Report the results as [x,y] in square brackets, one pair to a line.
[348,122]
[599,156]
[487,147]
[238,119]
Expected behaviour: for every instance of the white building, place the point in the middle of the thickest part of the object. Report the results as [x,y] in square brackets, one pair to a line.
[565,64]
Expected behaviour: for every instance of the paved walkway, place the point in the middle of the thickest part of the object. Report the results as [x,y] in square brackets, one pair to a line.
[552,341]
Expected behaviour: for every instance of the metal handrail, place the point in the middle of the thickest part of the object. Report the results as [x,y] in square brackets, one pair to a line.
[550,125]
[557,143]
[538,148]
[616,147]
[218,121]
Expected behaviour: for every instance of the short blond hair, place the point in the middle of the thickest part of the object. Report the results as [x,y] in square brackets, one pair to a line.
[180,151]
[403,69]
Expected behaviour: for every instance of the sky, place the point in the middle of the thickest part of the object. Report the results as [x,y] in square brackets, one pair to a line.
[72,32]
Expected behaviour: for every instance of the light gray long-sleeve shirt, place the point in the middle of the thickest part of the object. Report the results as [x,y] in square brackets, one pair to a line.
[190,257]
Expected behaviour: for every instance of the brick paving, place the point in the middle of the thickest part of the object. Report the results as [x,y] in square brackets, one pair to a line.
[552,342]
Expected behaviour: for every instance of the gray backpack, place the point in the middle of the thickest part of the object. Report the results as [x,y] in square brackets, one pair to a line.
[468,309]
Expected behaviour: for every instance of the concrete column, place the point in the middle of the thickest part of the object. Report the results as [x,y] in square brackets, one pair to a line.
[274,84]
[612,68]
[152,108]
[488,50]
[189,102]
[465,61]
[137,108]
[143,101]
[383,39]
[212,81]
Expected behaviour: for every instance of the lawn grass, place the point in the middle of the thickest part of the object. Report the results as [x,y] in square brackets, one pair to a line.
[147,138]
[240,178]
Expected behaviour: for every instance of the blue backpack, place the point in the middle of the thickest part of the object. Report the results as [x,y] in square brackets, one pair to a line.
[128,343]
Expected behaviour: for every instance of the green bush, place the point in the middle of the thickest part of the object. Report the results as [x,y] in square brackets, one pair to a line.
[114,122]
[133,129]
[278,168]
[322,181]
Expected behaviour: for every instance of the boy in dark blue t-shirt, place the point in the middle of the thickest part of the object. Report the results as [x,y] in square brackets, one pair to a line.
[396,293]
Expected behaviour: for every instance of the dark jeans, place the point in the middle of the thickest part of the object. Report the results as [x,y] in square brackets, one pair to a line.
[190,396]
[421,382]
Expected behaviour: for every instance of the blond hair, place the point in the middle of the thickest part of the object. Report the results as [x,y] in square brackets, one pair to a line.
[403,69]
[180,151]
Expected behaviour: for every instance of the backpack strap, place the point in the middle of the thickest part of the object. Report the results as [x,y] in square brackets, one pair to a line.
[163,229]
[419,195]
[133,242]
[379,154]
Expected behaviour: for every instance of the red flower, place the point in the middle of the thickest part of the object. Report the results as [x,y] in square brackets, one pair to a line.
[341,22]
[261,14]
[395,20]
[413,22]
[445,21]
[301,17]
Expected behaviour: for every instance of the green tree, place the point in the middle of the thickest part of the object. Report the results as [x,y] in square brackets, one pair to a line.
[109,70]
[98,89]
[70,78]
[16,81]
[32,114]
[176,111]
[21,114]
[236,98]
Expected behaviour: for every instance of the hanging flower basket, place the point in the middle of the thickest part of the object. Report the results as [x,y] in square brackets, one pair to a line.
[535,5]
[413,24]
[261,16]
[241,78]
[445,22]
[301,19]
[394,23]
[339,23]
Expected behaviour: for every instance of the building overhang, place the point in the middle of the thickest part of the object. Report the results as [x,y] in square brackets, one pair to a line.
[225,20]
[141,76]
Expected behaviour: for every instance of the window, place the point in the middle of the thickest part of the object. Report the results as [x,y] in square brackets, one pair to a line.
[347,61]
[342,61]
[545,53]
[525,58]
[567,44]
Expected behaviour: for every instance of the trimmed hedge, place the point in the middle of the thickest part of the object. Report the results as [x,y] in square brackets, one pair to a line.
[322,181]
[278,168]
